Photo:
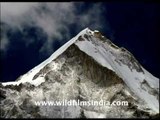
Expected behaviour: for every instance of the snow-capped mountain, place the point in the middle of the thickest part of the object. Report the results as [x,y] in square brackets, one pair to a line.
[89,66]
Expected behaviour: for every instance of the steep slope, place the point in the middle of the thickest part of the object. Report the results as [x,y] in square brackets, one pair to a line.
[89,66]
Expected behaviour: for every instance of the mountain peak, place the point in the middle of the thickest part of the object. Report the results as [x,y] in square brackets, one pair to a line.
[89,55]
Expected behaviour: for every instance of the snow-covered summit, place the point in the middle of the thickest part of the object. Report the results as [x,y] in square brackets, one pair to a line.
[30,74]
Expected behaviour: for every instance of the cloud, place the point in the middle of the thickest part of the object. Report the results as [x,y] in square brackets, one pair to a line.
[4,43]
[13,13]
[54,19]
[93,17]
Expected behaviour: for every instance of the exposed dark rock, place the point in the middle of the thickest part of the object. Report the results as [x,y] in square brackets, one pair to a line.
[2,94]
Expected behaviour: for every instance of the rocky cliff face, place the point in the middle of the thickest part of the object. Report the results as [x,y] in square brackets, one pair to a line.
[75,74]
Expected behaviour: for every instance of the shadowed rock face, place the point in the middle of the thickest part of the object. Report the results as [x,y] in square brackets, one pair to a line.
[85,65]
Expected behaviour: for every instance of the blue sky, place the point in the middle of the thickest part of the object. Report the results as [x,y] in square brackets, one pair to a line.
[31,32]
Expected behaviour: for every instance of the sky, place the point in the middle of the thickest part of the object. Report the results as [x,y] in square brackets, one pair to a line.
[31,32]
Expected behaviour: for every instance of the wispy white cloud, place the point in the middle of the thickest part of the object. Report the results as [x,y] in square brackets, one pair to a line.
[52,18]
[13,13]
[4,42]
